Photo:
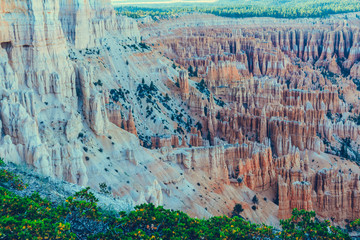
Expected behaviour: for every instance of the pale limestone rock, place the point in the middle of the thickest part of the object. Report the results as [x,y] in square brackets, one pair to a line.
[9,152]
[73,127]
[97,114]
[43,85]
[355,71]
[130,157]
[153,194]
[10,80]
[85,22]
[46,80]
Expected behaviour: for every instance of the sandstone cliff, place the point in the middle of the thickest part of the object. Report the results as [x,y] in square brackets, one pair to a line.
[284,87]
[265,110]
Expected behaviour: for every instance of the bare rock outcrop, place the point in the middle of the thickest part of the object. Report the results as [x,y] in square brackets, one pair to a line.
[275,95]
[184,83]
[266,110]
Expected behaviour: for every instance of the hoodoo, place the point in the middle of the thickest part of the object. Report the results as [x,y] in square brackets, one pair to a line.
[185,111]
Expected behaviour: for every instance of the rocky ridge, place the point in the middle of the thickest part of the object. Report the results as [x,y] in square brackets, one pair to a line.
[287,87]
[85,101]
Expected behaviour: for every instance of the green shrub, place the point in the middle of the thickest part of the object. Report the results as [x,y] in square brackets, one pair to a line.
[32,217]
[255,200]
[302,225]
[238,209]
[150,222]
[7,177]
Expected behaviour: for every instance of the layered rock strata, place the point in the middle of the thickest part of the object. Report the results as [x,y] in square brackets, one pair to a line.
[284,87]
[263,110]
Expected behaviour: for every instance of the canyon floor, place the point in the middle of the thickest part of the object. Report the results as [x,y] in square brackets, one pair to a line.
[193,112]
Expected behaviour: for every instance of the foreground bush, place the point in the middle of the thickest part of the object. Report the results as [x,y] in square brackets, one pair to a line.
[7,178]
[36,218]
[150,222]
[302,225]
[79,217]
[31,218]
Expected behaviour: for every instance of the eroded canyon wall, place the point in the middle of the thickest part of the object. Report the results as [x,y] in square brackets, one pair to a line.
[289,87]
[205,111]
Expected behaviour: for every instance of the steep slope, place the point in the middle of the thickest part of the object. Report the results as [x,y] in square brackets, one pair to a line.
[288,84]
[76,90]
[85,101]
[53,114]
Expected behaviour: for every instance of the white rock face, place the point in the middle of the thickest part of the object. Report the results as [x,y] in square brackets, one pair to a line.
[59,61]
[60,64]
[73,127]
[85,22]
[50,110]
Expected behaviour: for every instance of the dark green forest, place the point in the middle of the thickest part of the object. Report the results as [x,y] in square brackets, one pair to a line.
[267,8]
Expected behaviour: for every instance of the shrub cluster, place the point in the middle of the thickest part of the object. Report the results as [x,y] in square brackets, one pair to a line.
[31,217]
[7,177]
[79,217]
[303,225]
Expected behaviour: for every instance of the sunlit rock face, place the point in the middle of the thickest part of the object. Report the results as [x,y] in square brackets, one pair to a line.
[85,22]
[51,113]
[207,111]
[287,84]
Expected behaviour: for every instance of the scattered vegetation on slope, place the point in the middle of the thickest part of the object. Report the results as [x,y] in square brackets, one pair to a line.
[79,217]
[8,178]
